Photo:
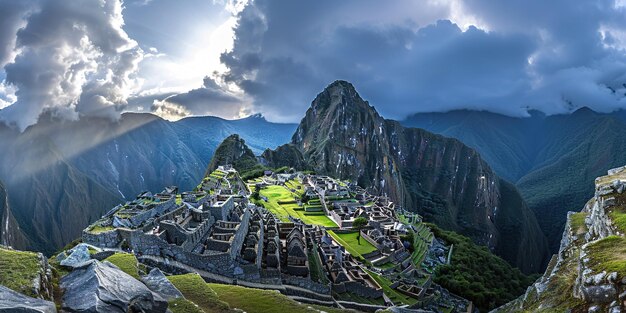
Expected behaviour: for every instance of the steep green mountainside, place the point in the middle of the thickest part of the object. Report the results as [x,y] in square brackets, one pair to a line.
[551,159]
[447,182]
[234,151]
[476,274]
[62,175]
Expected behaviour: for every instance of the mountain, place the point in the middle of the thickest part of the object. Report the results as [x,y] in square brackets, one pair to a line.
[551,159]
[233,150]
[10,232]
[441,178]
[62,175]
[588,273]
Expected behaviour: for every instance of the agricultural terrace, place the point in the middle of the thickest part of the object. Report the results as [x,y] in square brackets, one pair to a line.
[284,203]
[350,242]
[422,238]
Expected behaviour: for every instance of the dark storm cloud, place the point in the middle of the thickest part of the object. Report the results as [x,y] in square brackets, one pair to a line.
[552,56]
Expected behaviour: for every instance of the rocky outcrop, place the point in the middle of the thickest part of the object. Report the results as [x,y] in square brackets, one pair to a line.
[14,302]
[159,284]
[445,181]
[75,256]
[285,155]
[10,233]
[234,151]
[102,287]
[588,274]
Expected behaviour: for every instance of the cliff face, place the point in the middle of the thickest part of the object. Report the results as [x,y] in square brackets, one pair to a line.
[285,155]
[589,272]
[441,178]
[10,233]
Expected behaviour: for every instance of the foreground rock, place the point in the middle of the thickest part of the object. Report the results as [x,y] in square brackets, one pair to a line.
[588,274]
[159,284]
[14,302]
[102,287]
[77,256]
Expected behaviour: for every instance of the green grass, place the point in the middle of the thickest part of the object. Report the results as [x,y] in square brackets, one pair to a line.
[275,193]
[263,301]
[395,296]
[577,221]
[18,269]
[193,287]
[608,254]
[350,242]
[96,229]
[126,262]
[182,305]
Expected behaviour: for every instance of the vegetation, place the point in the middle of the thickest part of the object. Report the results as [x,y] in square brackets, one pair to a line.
[358,224]
[476,274]
[19,269]
[279,194]
[126,262]
[350,242]
[263,301]
[193,287]
[608,254]
[182,305]
[395,296]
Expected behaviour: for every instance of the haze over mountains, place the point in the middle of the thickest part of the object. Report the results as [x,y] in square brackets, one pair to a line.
[61,175]
[553,160]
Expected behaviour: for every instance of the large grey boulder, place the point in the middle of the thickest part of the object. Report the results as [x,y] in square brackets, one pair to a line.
[102,287]
[78,256]
[159,284]
[15,302]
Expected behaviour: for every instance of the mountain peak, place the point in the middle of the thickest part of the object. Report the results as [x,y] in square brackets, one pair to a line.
[584,110]
[256,116]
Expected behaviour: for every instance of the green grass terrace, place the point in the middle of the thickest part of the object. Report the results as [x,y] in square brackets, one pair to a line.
[283,203]
[350,242]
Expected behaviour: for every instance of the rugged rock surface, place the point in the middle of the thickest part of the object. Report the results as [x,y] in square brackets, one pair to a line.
[234,151]
[444,180]
[10,233]
[589,272]
[159,284]
[14,302]
[77,256]
[285,155]
[102,287]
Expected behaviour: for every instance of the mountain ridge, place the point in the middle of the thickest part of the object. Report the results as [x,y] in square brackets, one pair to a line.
[343,136]
[551,159]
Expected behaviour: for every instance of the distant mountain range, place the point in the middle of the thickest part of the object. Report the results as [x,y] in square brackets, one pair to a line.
[553,160]
[444,180]
[62,175]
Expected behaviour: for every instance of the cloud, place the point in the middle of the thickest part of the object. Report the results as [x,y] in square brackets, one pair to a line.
[72,57]
[210,99]
[553,56]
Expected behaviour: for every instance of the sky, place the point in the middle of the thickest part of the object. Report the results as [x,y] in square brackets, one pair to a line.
[234,58]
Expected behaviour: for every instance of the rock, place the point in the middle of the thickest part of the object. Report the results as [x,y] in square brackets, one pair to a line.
[599,294]
[102,287]
[159,284]
[612,277]
[78,256]
[594,309]
[598,278]
[11,301]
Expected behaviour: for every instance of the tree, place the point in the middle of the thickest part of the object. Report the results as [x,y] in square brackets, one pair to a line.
[257,190]
[358,224]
